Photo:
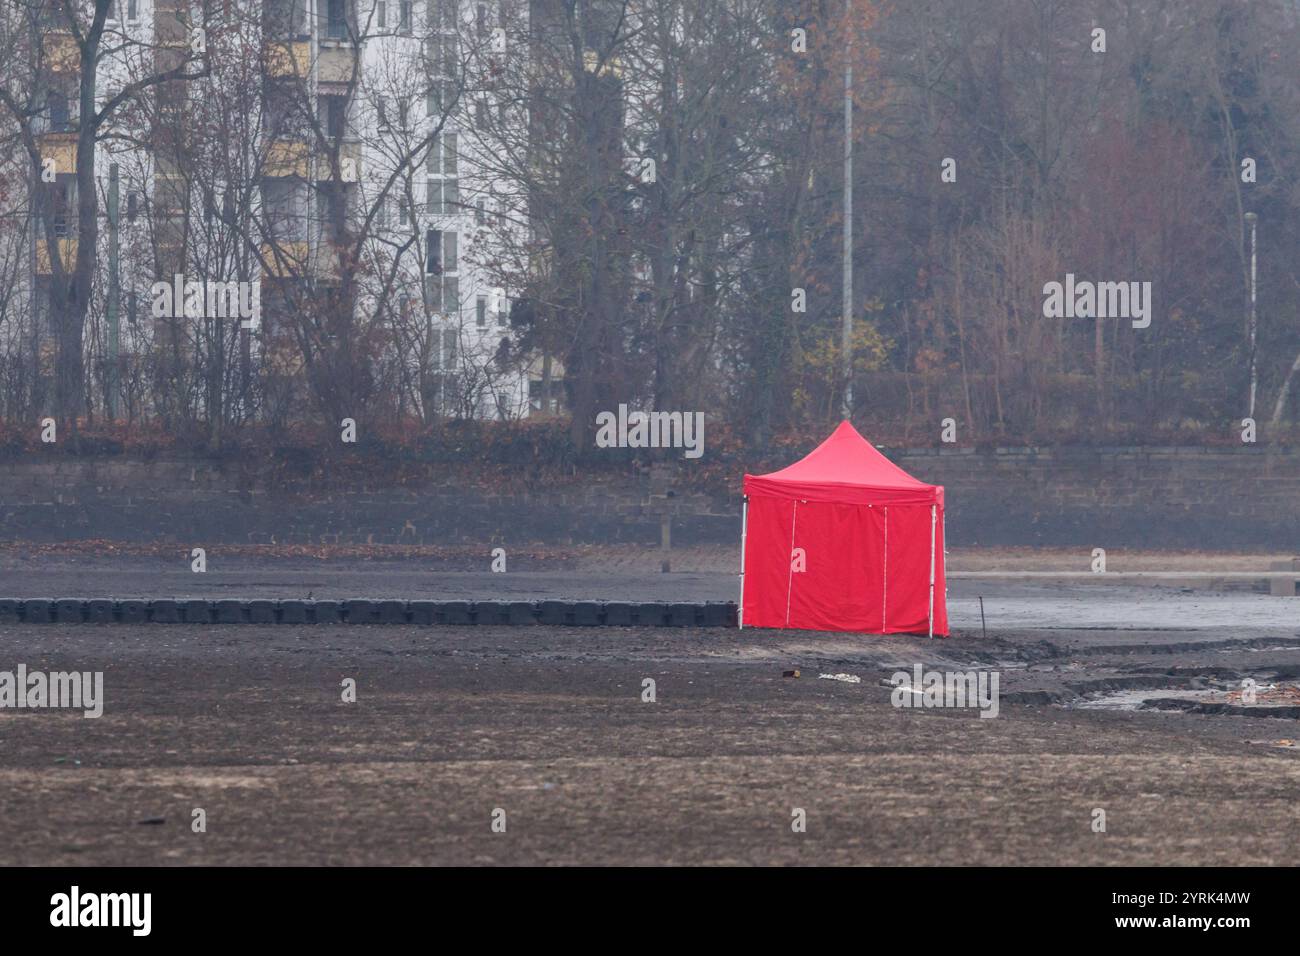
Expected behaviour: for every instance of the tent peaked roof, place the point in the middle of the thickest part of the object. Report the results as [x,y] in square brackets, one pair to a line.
[847,458]
[845,468]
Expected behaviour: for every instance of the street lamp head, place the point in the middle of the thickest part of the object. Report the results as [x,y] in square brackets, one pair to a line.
[1251,217]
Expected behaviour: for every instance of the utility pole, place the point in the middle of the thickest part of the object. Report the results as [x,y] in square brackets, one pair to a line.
[1251,219]
[846,344]
[113,295]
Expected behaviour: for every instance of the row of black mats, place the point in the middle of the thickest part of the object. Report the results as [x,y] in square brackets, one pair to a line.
[559,613]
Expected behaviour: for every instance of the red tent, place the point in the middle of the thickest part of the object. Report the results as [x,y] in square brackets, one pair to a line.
[843,540]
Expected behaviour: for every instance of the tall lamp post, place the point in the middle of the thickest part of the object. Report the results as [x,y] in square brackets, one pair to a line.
[1251,219]
[846,345]
[114,293]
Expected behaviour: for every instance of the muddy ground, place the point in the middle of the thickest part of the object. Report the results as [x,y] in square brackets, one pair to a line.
[549,725]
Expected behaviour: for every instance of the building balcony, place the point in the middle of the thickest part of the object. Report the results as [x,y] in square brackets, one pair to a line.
[286,259]
[170,28]
[288,58]
[282,356]
[67,255]
[287,158]
[62,148]
[296,259]
[613,66]
[61,53]
[336,63]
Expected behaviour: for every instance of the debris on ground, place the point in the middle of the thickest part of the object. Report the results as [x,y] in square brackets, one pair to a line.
[1284,695]
[846,678]
[793,673]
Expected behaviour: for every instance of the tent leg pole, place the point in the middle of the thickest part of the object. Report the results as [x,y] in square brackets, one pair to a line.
[744,528]
[933,518]
[943,556]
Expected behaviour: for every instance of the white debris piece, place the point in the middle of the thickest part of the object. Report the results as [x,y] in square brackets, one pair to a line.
[847,678]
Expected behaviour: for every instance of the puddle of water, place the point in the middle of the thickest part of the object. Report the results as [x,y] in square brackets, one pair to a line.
[1267,695]
[1133,699]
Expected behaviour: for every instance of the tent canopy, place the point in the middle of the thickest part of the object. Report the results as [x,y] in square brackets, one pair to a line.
[844,468]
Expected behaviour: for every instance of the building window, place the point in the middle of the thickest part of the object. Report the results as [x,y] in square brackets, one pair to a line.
[443,294]
[442,14]
[284,18]
[480,211]
[336,27]
[132,11]
[57,104]
[433,252]
[480,312]
[381,15]
[443,192]
[404,18]
[449,348]
[449,155]
[132,206]
[62,203]
[450,56]
[450,252]
[284,210]
[440,259]
[333,114]
[331,211]
[503,313]
[381,111]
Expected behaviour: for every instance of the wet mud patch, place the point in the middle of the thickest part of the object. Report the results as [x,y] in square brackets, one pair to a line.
[1220,696]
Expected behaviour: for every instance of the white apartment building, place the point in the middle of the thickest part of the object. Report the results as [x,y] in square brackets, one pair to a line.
[331,117]
[411,108]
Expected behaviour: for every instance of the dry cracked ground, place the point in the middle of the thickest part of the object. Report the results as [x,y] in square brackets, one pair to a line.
[549,726]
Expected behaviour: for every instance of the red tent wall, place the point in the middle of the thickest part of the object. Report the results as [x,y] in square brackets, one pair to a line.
[848,565]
